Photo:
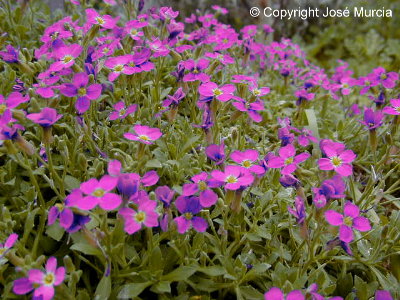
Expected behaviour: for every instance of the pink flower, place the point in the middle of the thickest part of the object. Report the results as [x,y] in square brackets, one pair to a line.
[98,193]
[195,70]
[351,219]
[287,159]
[121,112]
[42,282]
[105,21]
[234,177]
[221,93]
[65,57]
[338,159]
[7,245]
[145,215]
[207,196]
[394,109]
[252,108]
[276,294]
[248,159]
[144,134]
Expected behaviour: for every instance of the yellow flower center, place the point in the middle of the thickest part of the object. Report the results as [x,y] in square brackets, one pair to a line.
[105,50]
[345,86]
[122,112]
[144,137]
[367,82]
[3,108]
[225,41]
[188,215]
[67,58]
[246,163]
[336,161]
[202,185]
[348,221]
[118,68]
[396,109]
[82,91]
[289,160]
[134,32]
[49,279]
[231,179]
[2,250]
[383,76]
[217,92]
[195,71]
[140,217]
[100,20]
[99,193]
[256,92]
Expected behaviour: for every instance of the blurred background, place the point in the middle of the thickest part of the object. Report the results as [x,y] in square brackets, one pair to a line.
[356,40]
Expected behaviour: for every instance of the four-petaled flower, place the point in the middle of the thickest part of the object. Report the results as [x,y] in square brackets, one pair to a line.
[287,159]
[189,206]
[144,134]
[351,219]
[144,215]
[338,158]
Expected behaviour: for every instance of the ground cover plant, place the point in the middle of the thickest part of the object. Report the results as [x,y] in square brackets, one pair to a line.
[153,155]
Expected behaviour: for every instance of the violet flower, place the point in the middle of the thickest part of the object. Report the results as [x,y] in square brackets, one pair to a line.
[189,206]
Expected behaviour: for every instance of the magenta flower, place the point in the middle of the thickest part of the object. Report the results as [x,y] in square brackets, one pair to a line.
[195,70]
[252,108]
[347,222]
[4,248]
[144,134]
[394,109]
[46,118]
[383,295]
[207,196]
[216,153]
[299,211]
[98,193]
[276,294]
[372,119]
[42,282]
[117,65]
[80,88]
[106,21]
[121,112]
[333,188]
[222,93]
[306,137]
[189,206]
[248,159]
[224,59]
[12,101]
[165,195]
[387,79]
[145,215]
[65,57]
[338,159]
[70,221]
[10,55]
[233,178]
[287,159]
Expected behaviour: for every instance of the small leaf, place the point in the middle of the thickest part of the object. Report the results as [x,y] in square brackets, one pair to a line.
[86,249]
[55,231]
[103,290]
[154,163]
[133,289]
[179,274]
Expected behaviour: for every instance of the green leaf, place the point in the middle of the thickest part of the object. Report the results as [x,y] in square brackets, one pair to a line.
[154,163]
[103,290]
[71,182]
[55,231]
[312,121]
[133,289]
[161,287]
[180,274]
[212,270]
[86,249]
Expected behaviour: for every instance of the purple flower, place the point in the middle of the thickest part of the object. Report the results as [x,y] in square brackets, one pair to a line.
[165,195]
[42,282]
[106,21]
[383,295]
[175,99]
[216,153]
[65,57]
[299,211]
[10,55]
[276,294]
[289,180]
[80,88]
[207,196]
[144,134]
[251,108]
[351,219]
[233,177]
[330,189]
[145,215]
[287,159]
[372,119]
[387,79]
[46,118]
[189,206]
